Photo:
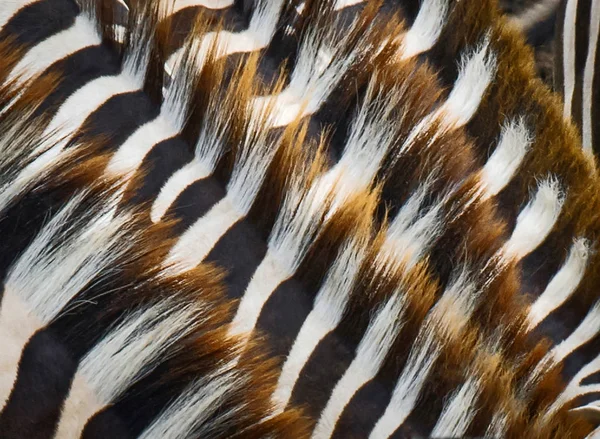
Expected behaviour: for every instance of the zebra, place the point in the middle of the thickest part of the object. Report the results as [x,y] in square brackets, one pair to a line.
[279,218]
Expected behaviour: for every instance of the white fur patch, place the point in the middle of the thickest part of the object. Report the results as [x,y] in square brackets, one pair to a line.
[198,240]
[371,137]
[81,251]
[515,141]
[8,8]
[128,158]
[194,413]
[586,330]
[370,355]
[252,162]
[73,112]
[296,227]
[535,221]
[17,325]
[459,411]
[320,65]
[209,148]
[176,184]
[426,29]
[412,233]
[448,317]
[258,35]
[575,388]
[80,35]
[563,284]
[568,55]
[61,261]
[476,72]
[341,4]
[588,78]
[326,314]
[125,355]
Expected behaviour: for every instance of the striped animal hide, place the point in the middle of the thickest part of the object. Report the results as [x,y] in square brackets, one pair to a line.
[294,219]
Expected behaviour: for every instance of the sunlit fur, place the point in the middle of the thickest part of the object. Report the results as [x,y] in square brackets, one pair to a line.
[336,221]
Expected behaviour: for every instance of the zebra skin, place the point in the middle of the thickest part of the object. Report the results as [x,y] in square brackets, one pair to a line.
[290,219]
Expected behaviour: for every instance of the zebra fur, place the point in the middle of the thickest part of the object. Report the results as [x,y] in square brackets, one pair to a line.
[439,165]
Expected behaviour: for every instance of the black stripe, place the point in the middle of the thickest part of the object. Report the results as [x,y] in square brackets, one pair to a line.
[80,68]
[321,373]
[574,362]
[165,158]
[106,424]
[40,20]
[283,315]
[193,203]
[558,73]
[363,411]
[582,29]
[44,378]
[239,251]
[117,119]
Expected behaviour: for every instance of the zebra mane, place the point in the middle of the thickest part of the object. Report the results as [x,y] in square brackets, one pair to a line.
[290,219]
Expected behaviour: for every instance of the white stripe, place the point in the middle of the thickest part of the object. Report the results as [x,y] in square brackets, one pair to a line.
[447,318]
[8,8]
[515,142]
[124,356]
[459,411]
[370,355]
[476,72]
[12,147]
[17,325]
[258,35]
[535,221]
[412,233]
[74,111]
[426,29]
[498,425]
[252,162]
[56,266]
[197,412]
[296,227]
[586,330]
[563,284]
[130,154]
[169,123]
[210,146]
[208,151]
[80,35]
[326,314]
[575,389]
[588,77]
[81,251]
[319,67]
[341,4]
[268,276]
[594,434]
[199,239]
[568,52]
[176,184]
[370,139]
